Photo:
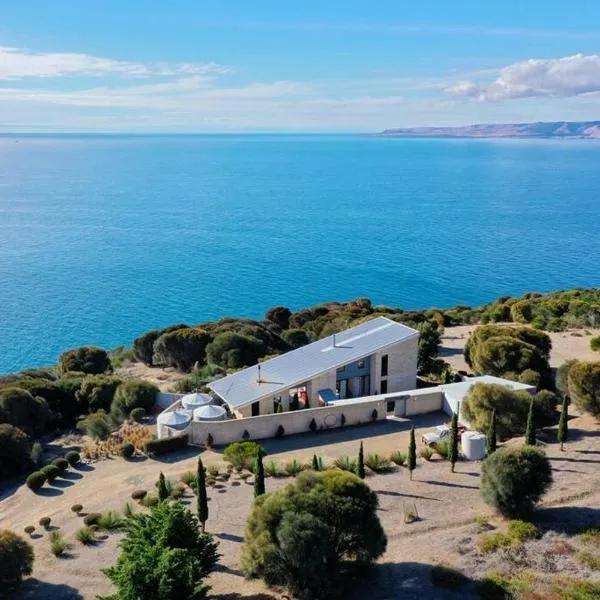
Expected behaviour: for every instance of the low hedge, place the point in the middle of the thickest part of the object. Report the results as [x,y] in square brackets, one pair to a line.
[91,519]
[36,480]
[72,457]
[127,450]
[165,445]
[51,472]
[61,463]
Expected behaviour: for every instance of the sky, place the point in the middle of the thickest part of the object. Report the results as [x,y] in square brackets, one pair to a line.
[284,66]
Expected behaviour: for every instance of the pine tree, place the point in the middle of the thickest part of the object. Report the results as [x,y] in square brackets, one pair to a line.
[315,463]
[530,431]
[201,498]
[259,475]
[163,492]
[412,452]
[563,424]
[453,444]
[360,465]
[491,438]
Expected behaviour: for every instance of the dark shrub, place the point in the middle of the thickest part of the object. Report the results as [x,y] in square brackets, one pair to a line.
[182,348]
[374,415]
[61,463]
[16,559]
[233,351]
[86,359]
[91,519]
[72,457]
[45,522]
[35,481]
[143,346]
[562,377]
[514,479]
[15,451]
[280,431]
[137,415]
[530,377]
[51,472]
[97,425]
[246,435]
[126,450]
[312,425]
[29,529]
[76,508]
[165,445]
[293,534]
[280,315]
[19,408]
[584,386]
[138,494]
[595,344]
[97,392]
[132,394]
[296,338]
[343,419]
[545,403]
[59,398]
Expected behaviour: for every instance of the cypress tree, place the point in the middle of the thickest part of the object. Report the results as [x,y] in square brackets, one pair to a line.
[530,431]
[360,465]
[412,452]
[259,475]
[491,438]
[563,424]
[453,444]
[315,463]
[201,499]
[163,492]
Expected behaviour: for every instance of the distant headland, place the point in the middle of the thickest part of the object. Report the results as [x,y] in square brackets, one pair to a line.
[558,129]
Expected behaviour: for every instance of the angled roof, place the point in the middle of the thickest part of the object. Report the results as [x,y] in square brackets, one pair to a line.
[300,365]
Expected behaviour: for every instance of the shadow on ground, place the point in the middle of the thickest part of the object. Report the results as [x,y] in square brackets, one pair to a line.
[567,519]
[34,589]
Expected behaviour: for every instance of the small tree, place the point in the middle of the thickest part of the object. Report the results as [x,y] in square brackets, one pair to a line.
[315,463]
[514,479]
[16,558]
[360,465]
[491,438]
[259,475]
[163,492]
[201,498]
[584,386]
[453,445]
[563,424]
[530,431]
[412,453]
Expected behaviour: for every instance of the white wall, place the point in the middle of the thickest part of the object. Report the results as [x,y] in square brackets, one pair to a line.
[402,367]
[164,399]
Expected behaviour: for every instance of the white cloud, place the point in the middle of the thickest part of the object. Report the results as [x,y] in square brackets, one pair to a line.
[17,63]
[568,76]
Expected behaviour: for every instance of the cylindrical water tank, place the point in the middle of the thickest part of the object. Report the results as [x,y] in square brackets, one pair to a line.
[195,400]
[209,413]
[473,445]
[176,419]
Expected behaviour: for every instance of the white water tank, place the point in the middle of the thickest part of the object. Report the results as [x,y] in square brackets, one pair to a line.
[195,400]
[473,445]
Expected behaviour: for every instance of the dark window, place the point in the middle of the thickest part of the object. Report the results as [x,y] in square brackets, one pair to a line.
[384,365]
[255,409]
[341,369]
[391,406]
[384,386]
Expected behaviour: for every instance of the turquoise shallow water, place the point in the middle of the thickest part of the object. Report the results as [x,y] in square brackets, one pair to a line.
[105,237]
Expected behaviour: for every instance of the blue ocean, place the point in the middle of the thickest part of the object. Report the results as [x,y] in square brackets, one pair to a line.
[105,237]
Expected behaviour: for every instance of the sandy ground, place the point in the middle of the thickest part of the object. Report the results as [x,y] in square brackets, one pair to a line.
[574,343]
[164,379]
[448,505]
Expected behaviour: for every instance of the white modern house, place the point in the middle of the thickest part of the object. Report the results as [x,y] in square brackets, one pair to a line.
[374,358]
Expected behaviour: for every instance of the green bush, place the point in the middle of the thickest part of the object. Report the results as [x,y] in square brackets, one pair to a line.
[76,508]
[61,463]
[29,529]
[97,392]
[110,521]
[15,451]
[143,346]
[58,395]
[138,494]
[293,467]
[514,479]
[85,535]
[72,457]
[545,403]
[20,409]
[45,522]
[309,535]
[134,393]
[188,477]
[296,338]
[530,377]
[58,546]
[126,450]
[442,448]
[272,469]
[242,454]
[86,359]
[595,344]
[233,351]
[345,463]
[447,577]
[36,480]
[98,425]
[378,463]
[51,472]
[16,559]
[426,453]
[163,556]
[166,445]
[584,386]
[182,348]
[399,458]
[137,415]
[562,377]
[91,519]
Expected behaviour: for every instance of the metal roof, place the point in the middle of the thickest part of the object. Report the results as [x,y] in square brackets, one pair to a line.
[305,363]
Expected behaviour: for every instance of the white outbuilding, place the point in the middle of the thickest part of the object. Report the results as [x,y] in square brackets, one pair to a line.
[210,412]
